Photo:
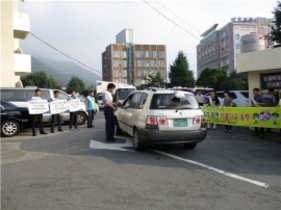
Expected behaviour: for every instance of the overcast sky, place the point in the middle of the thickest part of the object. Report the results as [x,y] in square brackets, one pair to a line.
[82,29]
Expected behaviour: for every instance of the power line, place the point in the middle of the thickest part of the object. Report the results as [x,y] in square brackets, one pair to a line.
[178,16]
[171,20]
[77,61]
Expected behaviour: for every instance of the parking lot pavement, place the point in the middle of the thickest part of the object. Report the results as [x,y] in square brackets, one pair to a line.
[61,171]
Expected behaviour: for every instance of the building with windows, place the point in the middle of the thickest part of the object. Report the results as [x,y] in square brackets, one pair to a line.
[14,26]
[219,47]
[130,63]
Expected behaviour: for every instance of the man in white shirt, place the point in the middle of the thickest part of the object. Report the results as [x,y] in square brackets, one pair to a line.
[55,117]
[109,108]
[200,98]
[39,117]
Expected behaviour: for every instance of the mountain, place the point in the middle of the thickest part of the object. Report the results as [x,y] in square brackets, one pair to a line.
[63,71]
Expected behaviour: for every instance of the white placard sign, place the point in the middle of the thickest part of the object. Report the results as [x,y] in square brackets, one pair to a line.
[38,106]
[74,105]
[58,106]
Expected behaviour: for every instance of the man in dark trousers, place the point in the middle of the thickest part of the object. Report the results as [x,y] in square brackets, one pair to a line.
[38,117]
[73,115]
[257,101]
[109,108]
[56,117]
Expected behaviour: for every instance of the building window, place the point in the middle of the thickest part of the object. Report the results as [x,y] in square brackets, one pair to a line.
[140,63]
[124,80]
[116,73]
[147,54]
[115,63]
[146,63]
[139,54]
[116,54]
[140,73]
[154,54]
[124,73]
[163,73]
[145,73]
[123,54]
[162,54]
[152,62]
[124,63]
[162,63]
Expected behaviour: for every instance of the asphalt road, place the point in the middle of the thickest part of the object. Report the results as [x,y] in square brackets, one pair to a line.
[60,172]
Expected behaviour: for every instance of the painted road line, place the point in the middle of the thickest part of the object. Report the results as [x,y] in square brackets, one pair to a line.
[211,168]
[111,146]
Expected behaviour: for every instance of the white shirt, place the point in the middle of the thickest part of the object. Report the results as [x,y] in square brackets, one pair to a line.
[200,98]
[279,104]
[106,96]
[36,98]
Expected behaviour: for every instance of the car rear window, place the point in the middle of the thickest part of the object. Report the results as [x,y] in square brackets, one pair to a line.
[169,101]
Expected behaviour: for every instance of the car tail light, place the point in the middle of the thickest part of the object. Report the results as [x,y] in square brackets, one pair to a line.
[197,120]
[162,120]
[157,120]
[151,120]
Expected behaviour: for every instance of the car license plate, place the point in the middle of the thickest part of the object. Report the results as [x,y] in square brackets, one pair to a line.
[180,122]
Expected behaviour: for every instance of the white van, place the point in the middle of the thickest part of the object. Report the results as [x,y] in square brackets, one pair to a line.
[20,96]
[240,97]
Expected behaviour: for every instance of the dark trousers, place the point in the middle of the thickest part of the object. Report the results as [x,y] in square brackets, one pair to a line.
[259,131]
[109,122]
[56,118]
[33,119]
[228,127]
[73,120]
[91,115]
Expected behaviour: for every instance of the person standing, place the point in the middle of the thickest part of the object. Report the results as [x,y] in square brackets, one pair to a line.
[109,108]
[227,102]
[73,115]
[214,102]
[38,117]
[200,98]
[257,101]
[55,117]
[269,101]
[91,108]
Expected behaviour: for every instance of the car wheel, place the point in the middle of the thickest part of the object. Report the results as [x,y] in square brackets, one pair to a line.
[119,131]
[136,141]
[10,128]
[81,118]
[190,146]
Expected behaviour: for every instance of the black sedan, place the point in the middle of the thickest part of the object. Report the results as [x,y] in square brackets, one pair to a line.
[13,118]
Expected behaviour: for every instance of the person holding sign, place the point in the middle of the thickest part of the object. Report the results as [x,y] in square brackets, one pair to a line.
[214,102]
[258,101]
[91,108]
[109,109]
[73,115]
[55,117]
[38,117]
[227,102]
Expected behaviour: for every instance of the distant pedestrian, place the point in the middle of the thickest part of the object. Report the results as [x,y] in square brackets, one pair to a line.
[91,108]
[227,102]
[38,117]
[258,101]
[200,98]
[269,101]
[214,102]
[73,115]
[55,117]
[109,108]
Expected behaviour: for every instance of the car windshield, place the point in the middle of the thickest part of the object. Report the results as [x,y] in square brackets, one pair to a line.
[100,98]
[170,101]
[123,93]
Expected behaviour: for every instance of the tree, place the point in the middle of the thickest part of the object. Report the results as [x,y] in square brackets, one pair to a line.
[232,84]
[212,78]
[180,74]
[275,34]
[155,80]
[40,79]
[76,84]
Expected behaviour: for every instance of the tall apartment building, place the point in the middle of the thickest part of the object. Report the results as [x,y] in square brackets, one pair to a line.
[14,26]
[126,62]
[219,47]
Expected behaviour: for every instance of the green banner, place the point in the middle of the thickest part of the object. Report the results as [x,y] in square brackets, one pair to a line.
[266,117]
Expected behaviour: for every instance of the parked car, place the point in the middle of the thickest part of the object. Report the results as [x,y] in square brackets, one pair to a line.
[13,118]
[161,117]
[20,96]
[240,97]
[100,101]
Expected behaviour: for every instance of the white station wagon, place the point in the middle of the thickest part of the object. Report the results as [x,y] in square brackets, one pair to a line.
[161,117]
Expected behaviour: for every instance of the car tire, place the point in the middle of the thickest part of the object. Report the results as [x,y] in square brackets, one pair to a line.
[119,131]
[81,118]
[190,146]
[10,128]
[136,141]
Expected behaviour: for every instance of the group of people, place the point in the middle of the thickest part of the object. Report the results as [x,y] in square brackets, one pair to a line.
[265,100]
[56,118]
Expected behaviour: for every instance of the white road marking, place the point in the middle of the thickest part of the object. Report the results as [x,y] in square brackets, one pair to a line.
[261,184]
[111,146]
